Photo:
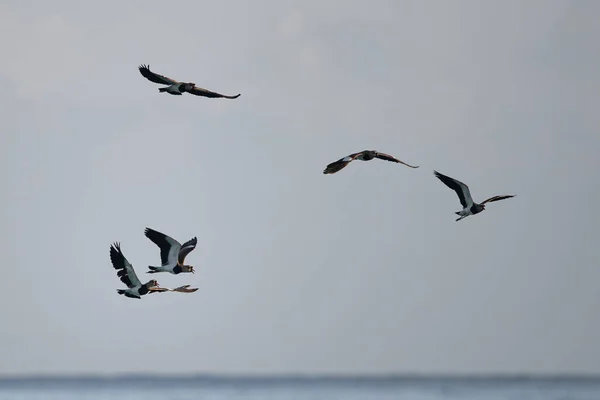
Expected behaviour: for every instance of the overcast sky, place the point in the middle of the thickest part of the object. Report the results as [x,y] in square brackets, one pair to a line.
[364,271]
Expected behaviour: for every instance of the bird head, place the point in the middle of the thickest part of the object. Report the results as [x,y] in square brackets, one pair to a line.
[187,268]
[153,283]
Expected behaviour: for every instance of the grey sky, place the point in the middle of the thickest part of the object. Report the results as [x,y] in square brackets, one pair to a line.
[362,271]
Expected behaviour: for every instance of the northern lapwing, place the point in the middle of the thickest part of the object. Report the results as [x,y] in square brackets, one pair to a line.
[464,195]
[178,88]
[365,155]
[172,253]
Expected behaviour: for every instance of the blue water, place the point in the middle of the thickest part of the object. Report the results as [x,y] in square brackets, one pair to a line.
[300,389]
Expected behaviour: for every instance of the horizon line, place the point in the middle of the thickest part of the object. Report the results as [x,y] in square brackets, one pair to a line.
[225,376]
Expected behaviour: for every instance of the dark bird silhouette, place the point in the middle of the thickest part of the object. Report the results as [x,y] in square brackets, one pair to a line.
[178,88]
[365,155]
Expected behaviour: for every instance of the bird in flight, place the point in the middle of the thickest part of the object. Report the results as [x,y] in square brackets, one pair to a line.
[464,195]
[364,155]
[125,272]
[172,253]
[178,88]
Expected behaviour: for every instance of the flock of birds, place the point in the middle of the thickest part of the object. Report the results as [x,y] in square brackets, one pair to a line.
[173,253]
[172,257]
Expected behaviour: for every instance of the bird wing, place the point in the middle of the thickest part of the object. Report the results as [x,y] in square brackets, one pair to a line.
[387,157]
[340,164]
[186,248]
[496,198]
[184,289]
[462,190]
[157,289]
[169,247]
[198,91]
[124,268]
[180,289]
[156,78]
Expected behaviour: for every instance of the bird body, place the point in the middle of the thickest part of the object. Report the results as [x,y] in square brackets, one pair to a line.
[177,89]
[365,155]
[470,207]
[134,293]
[172,253]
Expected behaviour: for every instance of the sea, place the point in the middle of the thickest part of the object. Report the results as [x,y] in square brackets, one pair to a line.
[301,388]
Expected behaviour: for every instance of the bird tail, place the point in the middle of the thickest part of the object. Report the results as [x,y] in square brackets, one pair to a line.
[120,291]
[153,270]
[162,89]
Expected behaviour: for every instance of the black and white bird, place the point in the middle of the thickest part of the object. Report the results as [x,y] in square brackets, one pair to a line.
[178,88]
[464,195]
[125,272]
[172,253]
[364,155]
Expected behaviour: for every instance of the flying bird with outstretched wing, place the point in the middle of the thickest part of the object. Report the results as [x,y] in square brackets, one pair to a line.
[125,272]
[172,253]
[178,88]
[365,155]
[464,195]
